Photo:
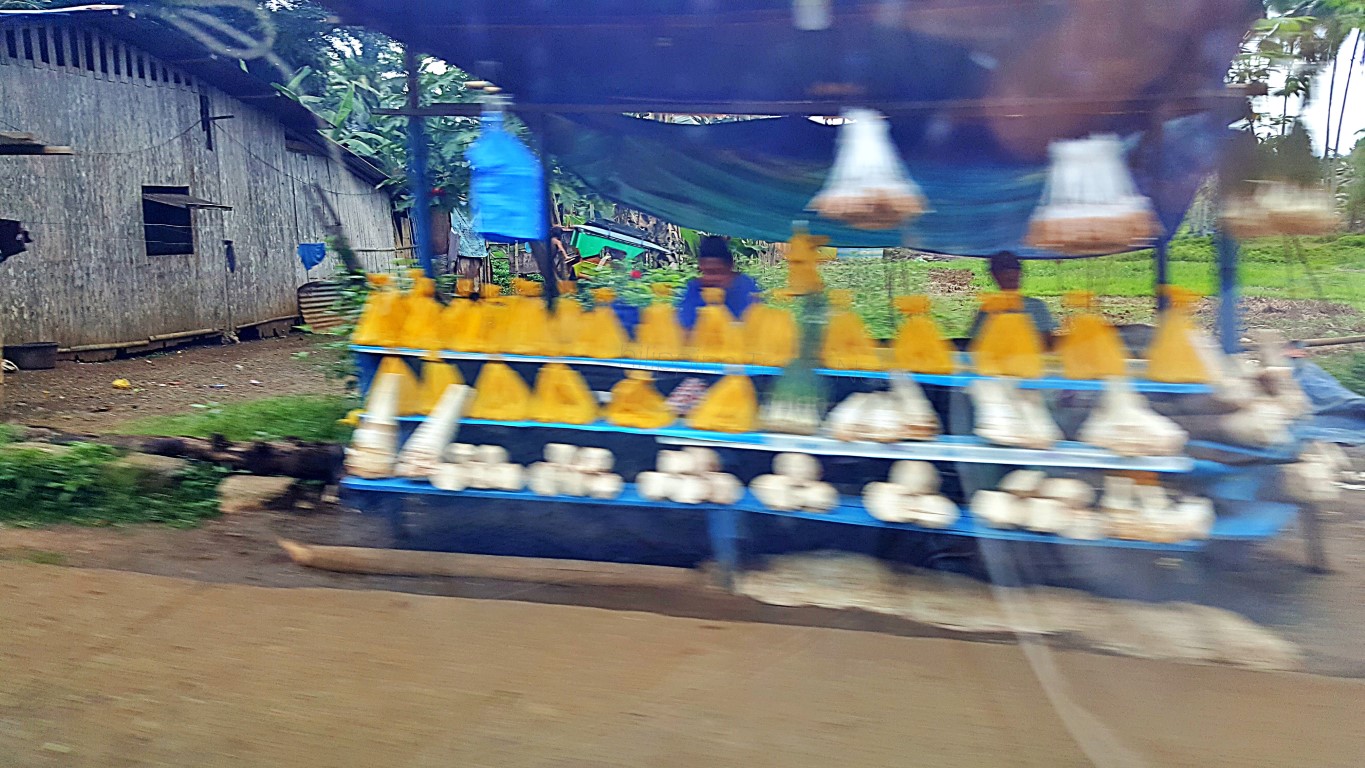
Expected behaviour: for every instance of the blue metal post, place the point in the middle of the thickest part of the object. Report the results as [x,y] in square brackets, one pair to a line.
[418,183]
[1229,319]
[1163,274]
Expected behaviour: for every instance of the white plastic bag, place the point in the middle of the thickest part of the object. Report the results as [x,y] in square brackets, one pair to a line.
[867,187]
[1090,204]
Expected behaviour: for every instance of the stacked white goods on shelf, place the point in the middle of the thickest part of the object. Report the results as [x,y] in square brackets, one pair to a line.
[571,470]
[867,187]
[902,413]
[911,496]
[482,467]
[1313,478]
[1090,204]
[423,453]
[374,446]
[795,484]
[1145,512]
[1251,404]
[1125,423]
[1031,500]
[689,476]
[1009,416]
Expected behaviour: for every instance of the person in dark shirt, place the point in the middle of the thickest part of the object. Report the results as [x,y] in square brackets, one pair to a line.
[1007,271]
[717,267]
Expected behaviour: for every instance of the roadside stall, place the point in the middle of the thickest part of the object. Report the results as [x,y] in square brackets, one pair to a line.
[534,424]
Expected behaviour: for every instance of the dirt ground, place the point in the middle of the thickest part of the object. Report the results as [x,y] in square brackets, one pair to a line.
[79,397]
[116,669]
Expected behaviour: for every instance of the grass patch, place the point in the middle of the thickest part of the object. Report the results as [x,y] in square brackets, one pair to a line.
[1348,368]
[35,556]
[1331,268]
[302,417]
[82,484]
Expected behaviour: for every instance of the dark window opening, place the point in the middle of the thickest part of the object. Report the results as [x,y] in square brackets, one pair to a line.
[206,119]
[42,46]
[104,56]
[59,46]
[11,44]
[168,229]
[89,52]
[28,44]
[128,62]
[141,67]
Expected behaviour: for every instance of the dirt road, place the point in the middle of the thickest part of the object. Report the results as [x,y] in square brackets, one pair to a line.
[101,668]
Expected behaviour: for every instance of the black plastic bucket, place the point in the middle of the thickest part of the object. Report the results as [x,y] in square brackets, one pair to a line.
[38,355]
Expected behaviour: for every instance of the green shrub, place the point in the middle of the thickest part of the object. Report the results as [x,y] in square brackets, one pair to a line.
[83,484]
[302,417]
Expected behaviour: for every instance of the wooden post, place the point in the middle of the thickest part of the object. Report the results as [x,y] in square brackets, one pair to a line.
[1229,320]
[418,183]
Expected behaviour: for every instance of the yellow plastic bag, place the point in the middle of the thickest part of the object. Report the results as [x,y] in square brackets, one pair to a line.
[500,394]
[562,396]
[453,316]
[804,255]
[567,323]
[422,326]
[601,334]
[437,375]
[409,391]
[716,336]
[528,322]
[659,336]
[488,317]
[637,404]
[770,334]
[729,406]
[1171,357]
[920,346]
[1008,344]
[1090,346]
[847,345]
[381,320]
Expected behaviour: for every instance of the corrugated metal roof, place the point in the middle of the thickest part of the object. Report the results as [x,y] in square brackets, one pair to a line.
[251,82]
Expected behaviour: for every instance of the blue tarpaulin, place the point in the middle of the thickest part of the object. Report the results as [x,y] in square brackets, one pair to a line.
[753,178]
[312,254]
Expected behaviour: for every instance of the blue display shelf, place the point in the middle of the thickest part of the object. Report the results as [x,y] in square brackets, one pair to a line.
[1253,521]
[718,369]
[967,449]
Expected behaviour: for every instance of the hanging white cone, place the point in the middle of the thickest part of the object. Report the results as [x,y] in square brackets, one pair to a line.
[1090,204]
[867,187]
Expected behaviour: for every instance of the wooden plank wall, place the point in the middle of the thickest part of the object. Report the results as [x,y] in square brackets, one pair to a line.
[132,121]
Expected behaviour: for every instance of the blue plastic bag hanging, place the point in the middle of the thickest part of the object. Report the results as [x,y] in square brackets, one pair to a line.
[312,254]
[507,185]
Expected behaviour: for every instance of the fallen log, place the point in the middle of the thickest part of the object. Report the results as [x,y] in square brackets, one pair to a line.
[290,458]
[405,562]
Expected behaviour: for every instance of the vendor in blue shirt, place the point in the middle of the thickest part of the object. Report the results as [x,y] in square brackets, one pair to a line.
[717,267]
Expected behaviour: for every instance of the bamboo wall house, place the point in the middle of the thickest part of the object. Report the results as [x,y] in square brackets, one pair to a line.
[189,187]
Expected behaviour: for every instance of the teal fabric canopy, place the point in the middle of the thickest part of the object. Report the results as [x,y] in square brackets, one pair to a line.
[754,178]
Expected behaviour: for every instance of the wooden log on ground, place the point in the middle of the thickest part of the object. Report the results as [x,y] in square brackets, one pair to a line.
[404,562]
[291,458]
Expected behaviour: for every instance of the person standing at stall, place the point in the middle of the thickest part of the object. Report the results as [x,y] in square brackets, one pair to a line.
[1007,271]
[717,266]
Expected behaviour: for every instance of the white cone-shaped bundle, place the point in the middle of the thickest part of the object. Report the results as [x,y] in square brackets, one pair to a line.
[998,509]
[887,502]
[1090,204]
[867,187]
[423,451]
[916,477]
[1125,424]
[374,445]
[798,466]
[1009,416]
[775,492]
[934,511]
